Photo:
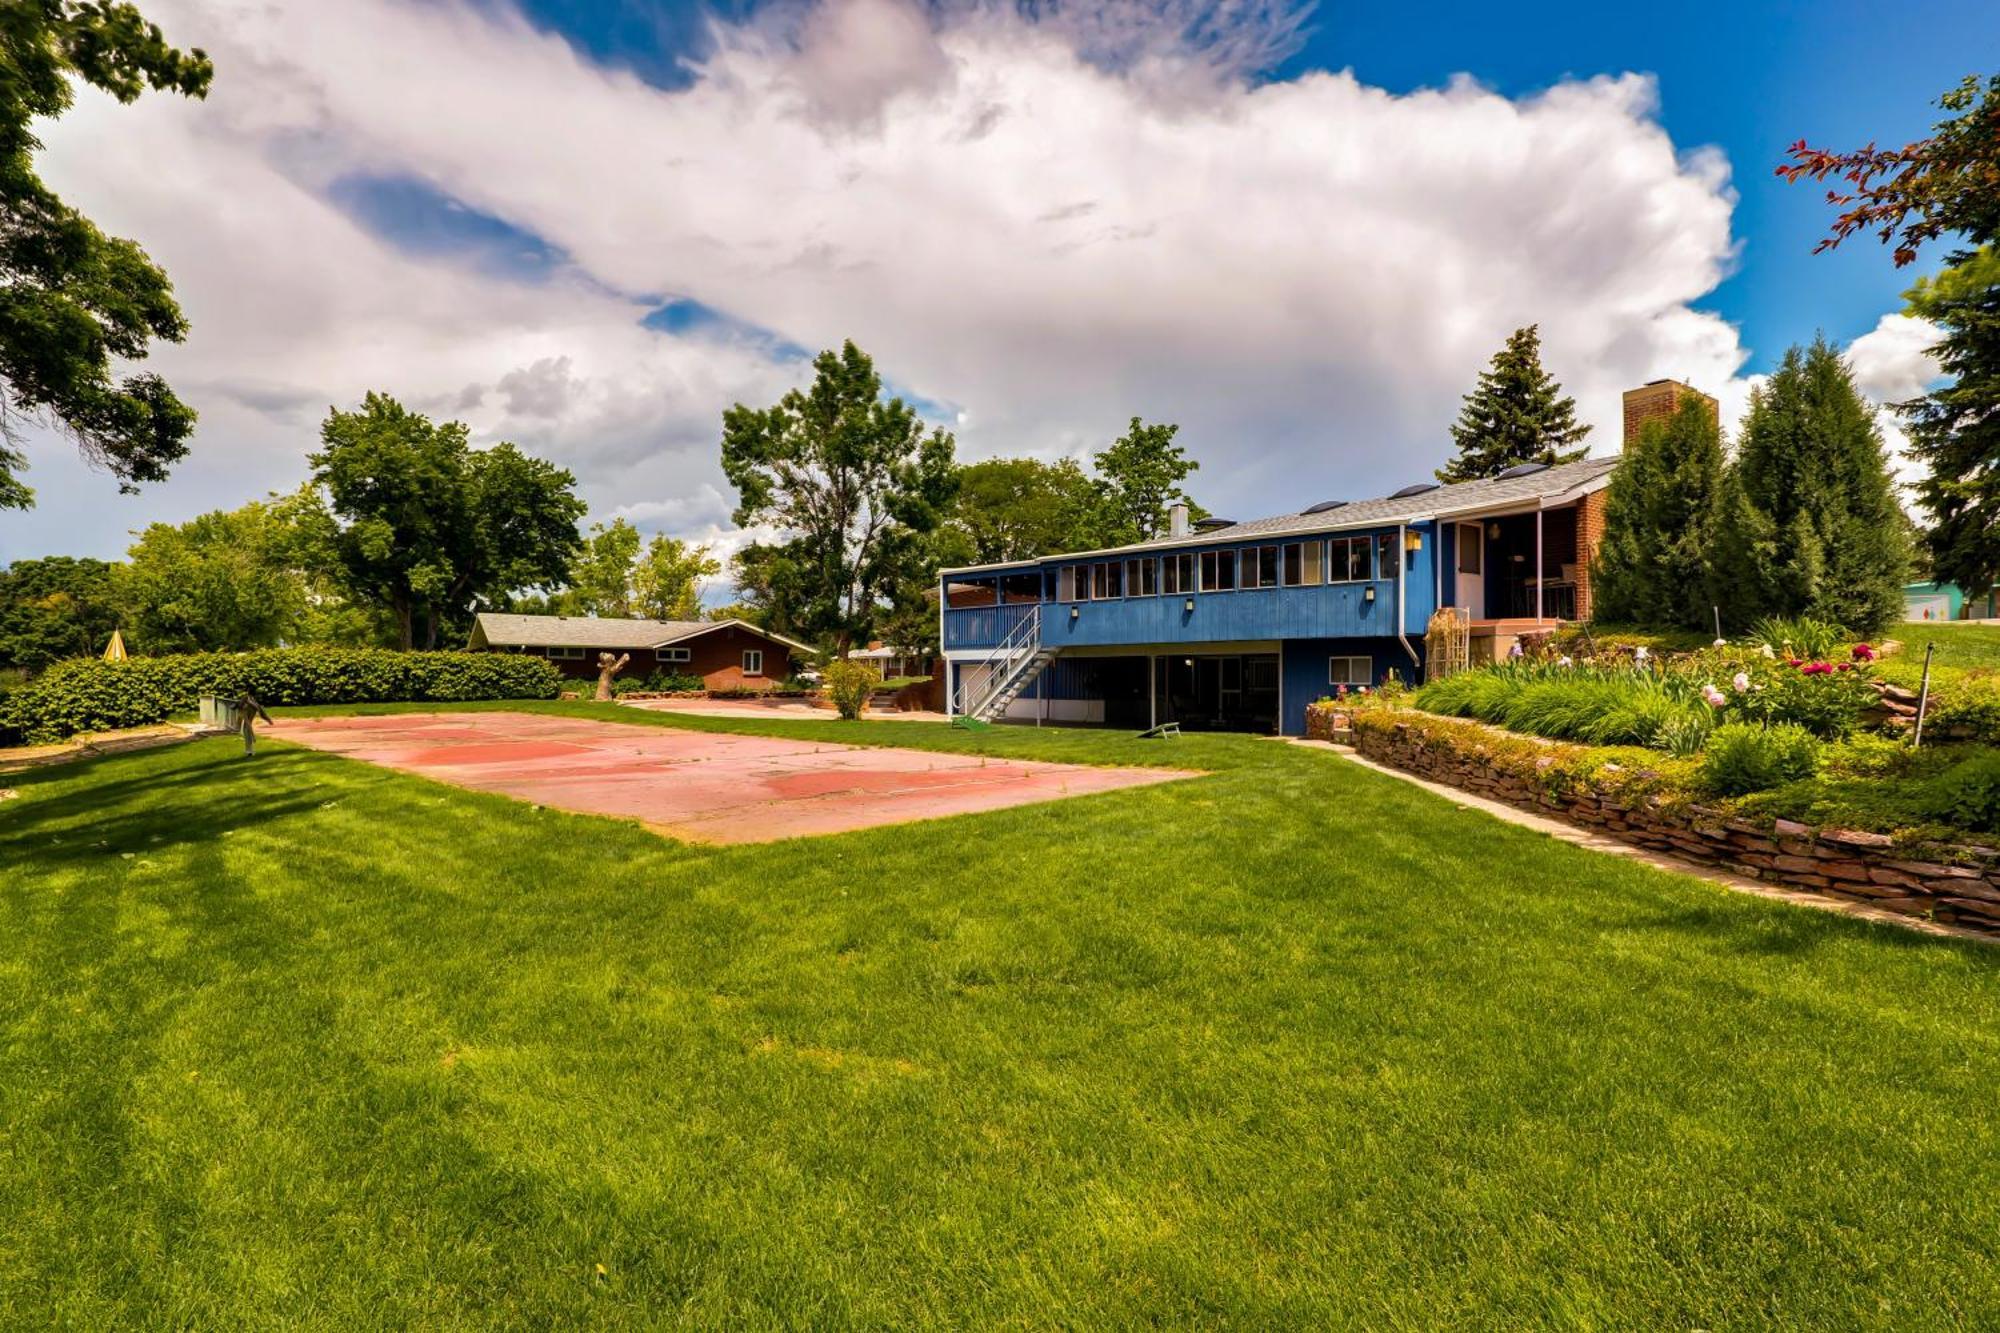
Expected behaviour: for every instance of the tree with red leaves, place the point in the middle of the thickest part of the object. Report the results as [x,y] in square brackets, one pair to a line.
[1947,184]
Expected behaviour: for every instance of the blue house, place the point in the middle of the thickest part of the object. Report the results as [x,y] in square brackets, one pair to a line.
[1238,626]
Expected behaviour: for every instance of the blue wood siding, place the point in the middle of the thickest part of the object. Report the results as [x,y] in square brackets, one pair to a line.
[1304,664]
[1335,610]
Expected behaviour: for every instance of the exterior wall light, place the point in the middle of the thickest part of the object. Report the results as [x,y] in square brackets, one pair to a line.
[1368,593]
[1413,541]
[1075,611]
[1188,606]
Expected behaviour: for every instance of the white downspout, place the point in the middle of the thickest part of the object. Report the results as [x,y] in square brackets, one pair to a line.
[1402,575]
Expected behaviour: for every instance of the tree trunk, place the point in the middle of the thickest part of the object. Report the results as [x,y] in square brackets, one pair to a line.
[607,667]
[406,628]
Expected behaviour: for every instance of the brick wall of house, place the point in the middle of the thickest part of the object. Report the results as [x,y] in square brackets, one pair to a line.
[1658,401]
[1589,536]
[717,657]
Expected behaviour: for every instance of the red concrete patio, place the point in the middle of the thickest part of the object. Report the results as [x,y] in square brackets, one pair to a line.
[697,785]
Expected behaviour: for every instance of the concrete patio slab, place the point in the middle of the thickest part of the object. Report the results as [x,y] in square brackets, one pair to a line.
[701,786]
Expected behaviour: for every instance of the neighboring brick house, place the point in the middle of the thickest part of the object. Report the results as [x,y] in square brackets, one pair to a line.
[726,654]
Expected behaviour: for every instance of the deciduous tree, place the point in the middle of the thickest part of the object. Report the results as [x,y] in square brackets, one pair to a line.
[430,528]
[55,608]
[1517,414]
[855,485]
[668,578]
[1138,478]
[601,574]
[72,300]
[223,581]
[1019,508]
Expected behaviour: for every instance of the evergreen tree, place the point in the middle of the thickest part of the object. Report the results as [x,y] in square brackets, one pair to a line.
[1518,414]
[1653,565]
[1811,469]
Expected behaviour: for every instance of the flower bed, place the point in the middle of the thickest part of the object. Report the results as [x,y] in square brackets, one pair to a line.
[1651,800]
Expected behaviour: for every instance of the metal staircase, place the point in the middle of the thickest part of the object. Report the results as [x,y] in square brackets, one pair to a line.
[1020,659]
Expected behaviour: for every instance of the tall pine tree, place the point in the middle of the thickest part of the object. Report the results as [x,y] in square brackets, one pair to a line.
[1814,526]
[1518,414]
[1653,566]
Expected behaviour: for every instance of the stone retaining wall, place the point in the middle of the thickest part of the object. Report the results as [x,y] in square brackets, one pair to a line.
[1845,863]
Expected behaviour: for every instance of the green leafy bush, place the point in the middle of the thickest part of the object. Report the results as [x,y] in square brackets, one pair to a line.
[1741,757]
[91,695]
[1967,795]
[849,683]
[1968,708]
[675,682]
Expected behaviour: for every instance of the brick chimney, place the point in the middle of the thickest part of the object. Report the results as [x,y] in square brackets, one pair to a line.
[1659,400]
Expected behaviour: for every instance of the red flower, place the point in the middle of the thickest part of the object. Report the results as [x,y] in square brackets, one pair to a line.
[1863,653]
[1816,669]
[1845,666]
[1793,661]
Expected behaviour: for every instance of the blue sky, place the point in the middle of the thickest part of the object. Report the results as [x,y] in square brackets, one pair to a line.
[539,217]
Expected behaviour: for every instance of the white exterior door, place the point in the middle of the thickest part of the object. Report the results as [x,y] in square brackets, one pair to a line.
[1471,589]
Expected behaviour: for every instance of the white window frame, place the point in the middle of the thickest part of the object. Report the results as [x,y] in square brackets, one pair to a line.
[675,655]
[566,653]
[753,661]
[1340,671]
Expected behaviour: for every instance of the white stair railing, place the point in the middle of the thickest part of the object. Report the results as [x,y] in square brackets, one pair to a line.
[1015,655]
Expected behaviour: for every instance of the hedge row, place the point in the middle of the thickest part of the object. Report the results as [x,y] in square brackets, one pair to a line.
[88,695]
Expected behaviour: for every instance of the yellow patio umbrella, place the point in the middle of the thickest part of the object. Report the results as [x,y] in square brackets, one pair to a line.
[115,650]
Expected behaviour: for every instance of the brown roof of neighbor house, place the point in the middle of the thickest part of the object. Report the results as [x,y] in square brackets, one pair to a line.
[1408,505]
[497,629]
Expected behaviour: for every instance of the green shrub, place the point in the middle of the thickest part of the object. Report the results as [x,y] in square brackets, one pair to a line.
[675,682]
[1741,757]
[1968,708]
[92,695]
[1967,795]
[849,683]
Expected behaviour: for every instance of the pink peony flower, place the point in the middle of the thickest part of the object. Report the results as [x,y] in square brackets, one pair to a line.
[1713,697]
[1741,682]
[1863,652]
[1816,669]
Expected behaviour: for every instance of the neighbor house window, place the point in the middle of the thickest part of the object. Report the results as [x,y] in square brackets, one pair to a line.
[1304,564]
[1141,578]
[1218,571]
[566,654]
[1350,671]
[753,661]
[675,654]
[1260,567]
[1177,574]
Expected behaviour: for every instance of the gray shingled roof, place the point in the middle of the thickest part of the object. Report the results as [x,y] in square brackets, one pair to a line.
[501,629]
[1551,483]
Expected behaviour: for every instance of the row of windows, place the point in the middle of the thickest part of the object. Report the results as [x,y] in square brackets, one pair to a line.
[1280,565]
[753,658]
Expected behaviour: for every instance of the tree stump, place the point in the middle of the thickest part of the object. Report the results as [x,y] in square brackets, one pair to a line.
[607,667]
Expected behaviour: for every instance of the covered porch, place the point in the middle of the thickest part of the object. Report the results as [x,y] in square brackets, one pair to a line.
[1520,570]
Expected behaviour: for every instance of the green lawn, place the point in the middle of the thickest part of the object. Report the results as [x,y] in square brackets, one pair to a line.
[1960,648]
[303,1042]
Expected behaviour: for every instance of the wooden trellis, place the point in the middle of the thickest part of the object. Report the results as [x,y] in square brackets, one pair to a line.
[1447,644]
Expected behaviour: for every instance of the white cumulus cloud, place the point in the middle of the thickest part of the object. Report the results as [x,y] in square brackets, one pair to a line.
[1042,229]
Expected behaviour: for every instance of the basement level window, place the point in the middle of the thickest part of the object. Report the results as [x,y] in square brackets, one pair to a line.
[1350,671]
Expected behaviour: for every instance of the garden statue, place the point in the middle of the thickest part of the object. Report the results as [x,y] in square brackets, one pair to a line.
[607,667]
[248,710]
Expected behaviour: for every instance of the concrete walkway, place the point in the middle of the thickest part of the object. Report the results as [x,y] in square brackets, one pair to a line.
[1602,842]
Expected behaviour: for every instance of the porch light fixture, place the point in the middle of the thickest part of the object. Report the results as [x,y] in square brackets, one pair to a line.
[1188,606]
[1075,611]
[1493,529]
[1413,541]
[1368,593]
